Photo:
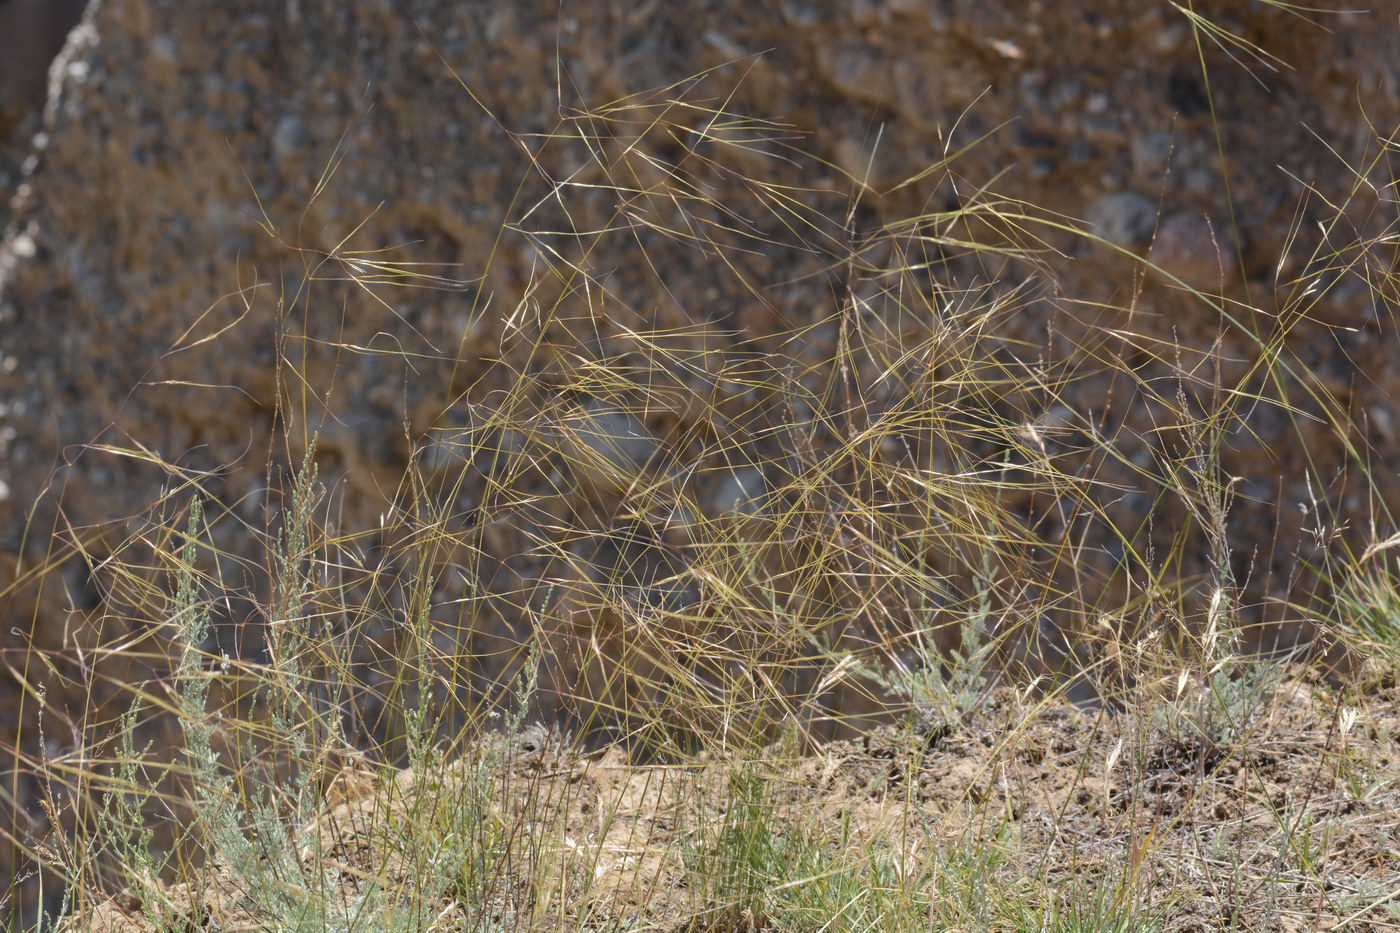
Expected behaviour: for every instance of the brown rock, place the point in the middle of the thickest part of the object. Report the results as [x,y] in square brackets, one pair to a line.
[1193,249]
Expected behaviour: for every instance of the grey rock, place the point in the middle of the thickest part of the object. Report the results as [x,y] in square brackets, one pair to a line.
[604,445]
[1124,218]
[290,137]
[1152,152]
[742,492]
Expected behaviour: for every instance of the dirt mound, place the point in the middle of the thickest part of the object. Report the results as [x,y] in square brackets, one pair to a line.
[1288,827]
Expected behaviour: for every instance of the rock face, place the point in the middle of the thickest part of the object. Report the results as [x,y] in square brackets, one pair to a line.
[248,224]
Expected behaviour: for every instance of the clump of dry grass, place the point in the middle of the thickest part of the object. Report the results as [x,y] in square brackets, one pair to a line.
[822,586]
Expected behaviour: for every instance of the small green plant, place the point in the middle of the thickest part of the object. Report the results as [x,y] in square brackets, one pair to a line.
[469,806]
[737,855]
[1213,714]
[1367,614]
[1094,906]
[123,828]
[941,687]
[242,828]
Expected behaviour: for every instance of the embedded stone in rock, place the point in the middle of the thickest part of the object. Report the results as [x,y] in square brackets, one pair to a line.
[605,445]
[290,138]
[1124,218]
[742,492]
[1190,247]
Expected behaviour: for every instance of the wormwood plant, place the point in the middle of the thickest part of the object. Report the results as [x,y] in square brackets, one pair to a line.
[940,688]
[1212,714]
[123,832]
[254,835]
[474,813]
[243,829]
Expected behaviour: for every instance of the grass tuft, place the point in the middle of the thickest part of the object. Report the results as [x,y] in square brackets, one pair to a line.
[827,611]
